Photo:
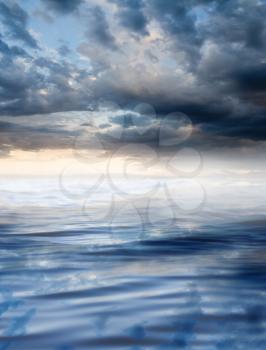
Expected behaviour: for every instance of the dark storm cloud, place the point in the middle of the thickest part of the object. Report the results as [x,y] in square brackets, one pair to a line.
[134,120]
[178,22]
[44,88]
[131,15]
[15,20]
[250,126]
[204,58]
[238,22]
[252,79]
[174,16]
[98,29]
[63,6]
[32,83]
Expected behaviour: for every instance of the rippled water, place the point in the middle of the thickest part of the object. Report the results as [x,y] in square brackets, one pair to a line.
[70,279]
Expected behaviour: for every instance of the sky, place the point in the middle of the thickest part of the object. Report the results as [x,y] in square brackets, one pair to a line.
[95,76]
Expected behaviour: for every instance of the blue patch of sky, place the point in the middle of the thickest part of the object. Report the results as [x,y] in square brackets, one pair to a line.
[63,29]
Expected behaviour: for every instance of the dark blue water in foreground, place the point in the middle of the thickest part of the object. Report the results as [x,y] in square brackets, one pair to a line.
[68,283]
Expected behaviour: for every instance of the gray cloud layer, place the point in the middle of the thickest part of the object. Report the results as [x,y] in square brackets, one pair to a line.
[202,58]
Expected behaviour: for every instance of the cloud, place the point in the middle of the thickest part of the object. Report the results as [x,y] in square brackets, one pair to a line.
[40,85]
[37,133]
[98,31]
[131,15]
[63,6]
[15,19]
[11,50]
[252,78]
[203,58]
[64,50]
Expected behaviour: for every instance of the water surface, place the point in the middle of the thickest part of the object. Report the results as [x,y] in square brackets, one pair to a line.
[71,278]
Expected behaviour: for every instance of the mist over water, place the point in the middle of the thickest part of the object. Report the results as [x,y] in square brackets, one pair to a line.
[167,269]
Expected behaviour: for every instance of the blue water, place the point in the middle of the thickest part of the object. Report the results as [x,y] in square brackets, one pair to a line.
[71,279]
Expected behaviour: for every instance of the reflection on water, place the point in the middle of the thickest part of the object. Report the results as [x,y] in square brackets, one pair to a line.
[69,280]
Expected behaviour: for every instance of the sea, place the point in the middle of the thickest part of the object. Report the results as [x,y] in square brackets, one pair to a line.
[141,264]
